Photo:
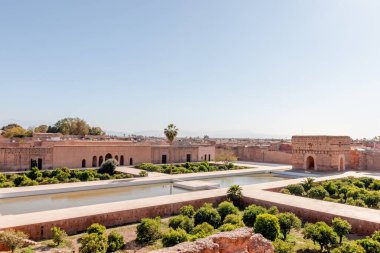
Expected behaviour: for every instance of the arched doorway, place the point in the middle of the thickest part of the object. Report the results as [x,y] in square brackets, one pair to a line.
[84,163]
[116,158]
[342,165]
[108,156]
[100,160]
[131,161]
[310,163]
[121,160]
[94,160]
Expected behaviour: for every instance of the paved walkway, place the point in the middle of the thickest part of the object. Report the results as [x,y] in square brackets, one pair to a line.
[136,172]
[256,192]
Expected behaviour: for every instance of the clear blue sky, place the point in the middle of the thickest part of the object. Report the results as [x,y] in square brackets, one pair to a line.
[211,67]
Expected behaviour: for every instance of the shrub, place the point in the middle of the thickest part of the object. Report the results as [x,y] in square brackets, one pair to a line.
[273,210]
[108,166]
[330,187]
[376,236]
[372,199]
[317,192]
[174,237]
[375,185]
[27,250]
[58,235]
[86,175]
[227,227]
[320,233]
[148,230]
[341,228]
[13,239]
[34,173]
[356,202]
[233,219]
[288,221]
[285,191]
[225,208]
[296,189]
[250,213]
[267,225]
[96,228]
[93,243]
[115,241]
[202,230]
[143,173]
[207,214]
[369,245]
[3,178]
[183,222]
[187,211]
[281,246]
[349,247]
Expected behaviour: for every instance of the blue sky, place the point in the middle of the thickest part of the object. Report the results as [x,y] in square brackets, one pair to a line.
[223,68]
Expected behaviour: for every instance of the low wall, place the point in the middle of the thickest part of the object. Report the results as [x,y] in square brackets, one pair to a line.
[77,225]
[255,154]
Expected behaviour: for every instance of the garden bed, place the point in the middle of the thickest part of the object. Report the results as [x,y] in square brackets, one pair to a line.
[362,191]
[183,168]
[62,175]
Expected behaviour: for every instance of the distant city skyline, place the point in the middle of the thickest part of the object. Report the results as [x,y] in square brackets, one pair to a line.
[221,68]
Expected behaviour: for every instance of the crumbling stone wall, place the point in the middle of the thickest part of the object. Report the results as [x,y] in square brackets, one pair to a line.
[240,240]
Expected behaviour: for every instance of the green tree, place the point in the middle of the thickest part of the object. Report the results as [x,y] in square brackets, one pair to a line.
[369,245]
[187,211]
[41,129]
[235,194]
[148,230]
[171,133]
[281,246]
[341,227]
[320,233]
[72,126]
[226,156]
[350,247]
[288,221]
[183,222]
[59,235]
[250,213]
[202,230]
[16,131]
[207,214]
[173,237]
[234,219]
[267,225]
[13,239]
[96,228]
[225,208]
[115,241]
[296,189]
[93,243]
[96,131]
[317,192]
[108,167]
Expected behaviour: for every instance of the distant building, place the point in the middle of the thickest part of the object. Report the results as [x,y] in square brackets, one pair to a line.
[321,153]
[47,152]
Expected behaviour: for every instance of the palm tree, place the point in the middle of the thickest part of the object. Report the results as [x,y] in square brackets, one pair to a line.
[235,194]
[171,132]
[308,183]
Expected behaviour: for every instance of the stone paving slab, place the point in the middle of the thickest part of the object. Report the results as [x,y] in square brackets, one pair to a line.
[196,185]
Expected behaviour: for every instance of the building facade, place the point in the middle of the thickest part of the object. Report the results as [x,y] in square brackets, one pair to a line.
[50,154]
[321,153]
